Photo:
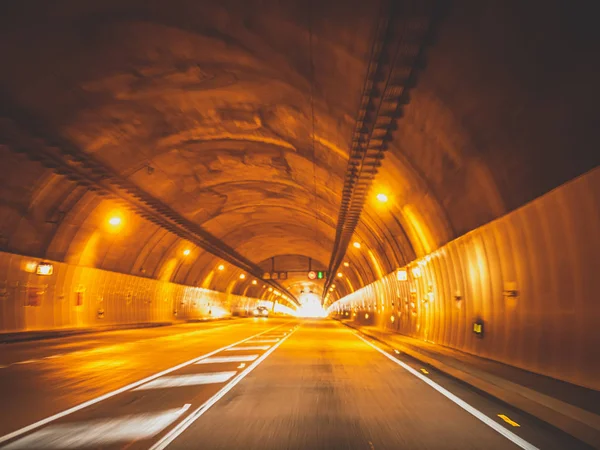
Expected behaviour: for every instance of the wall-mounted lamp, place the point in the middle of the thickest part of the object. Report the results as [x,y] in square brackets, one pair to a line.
[402,275]
[44,268]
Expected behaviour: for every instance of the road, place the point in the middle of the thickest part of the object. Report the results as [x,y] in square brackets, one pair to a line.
[245,384]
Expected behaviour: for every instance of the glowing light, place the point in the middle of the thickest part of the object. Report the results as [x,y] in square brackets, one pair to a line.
[45,269]
[221,267]
[242,276]
[254,282]
[382,197]
[402,275]
[346,264]
[366,315]
[270,289]
[31,266]
[333,286]
[186,252]
[356,244]
[393,319]
[416,271]
[340,274]
[114,221]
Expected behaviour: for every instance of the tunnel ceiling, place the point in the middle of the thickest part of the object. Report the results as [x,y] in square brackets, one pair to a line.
[239,116]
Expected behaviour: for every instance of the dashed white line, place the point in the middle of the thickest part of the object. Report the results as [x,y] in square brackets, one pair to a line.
[187,380]
[263,341]
[192,417]
[27,361]
[101,432]
[108,395]
[228,359]
[517,440]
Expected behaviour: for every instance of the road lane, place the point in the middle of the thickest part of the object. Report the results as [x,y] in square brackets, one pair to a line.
[31,392]
[39,350]
[325,388]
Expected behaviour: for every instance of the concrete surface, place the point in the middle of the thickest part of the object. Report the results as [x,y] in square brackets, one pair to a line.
[304,384]
[570,408]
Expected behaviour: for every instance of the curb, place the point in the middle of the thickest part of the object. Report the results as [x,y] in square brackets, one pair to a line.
[581,424]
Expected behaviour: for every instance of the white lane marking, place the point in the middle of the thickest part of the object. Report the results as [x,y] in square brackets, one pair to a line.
[241,366]
[228,359]
[263,341]
[187,380]
[99,432]
[176,431]
[135,384]
[517,440]
[27,361]
[250,347]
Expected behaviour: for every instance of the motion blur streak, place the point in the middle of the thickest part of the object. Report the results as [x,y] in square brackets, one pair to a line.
[189,420]
[464,405]
[99,432]
[113,393]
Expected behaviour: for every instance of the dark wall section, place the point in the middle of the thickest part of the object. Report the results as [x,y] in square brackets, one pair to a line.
[529,278]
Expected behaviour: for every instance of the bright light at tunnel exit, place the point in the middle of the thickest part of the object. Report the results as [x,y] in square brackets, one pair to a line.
[310,306]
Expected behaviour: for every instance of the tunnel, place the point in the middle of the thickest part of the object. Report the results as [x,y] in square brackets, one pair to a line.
[299,224]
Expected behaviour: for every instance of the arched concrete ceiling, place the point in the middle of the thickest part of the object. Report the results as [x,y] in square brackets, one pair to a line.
[208,106]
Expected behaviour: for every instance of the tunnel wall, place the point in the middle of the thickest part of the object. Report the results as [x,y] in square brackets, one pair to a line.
[75,296]
[530,277]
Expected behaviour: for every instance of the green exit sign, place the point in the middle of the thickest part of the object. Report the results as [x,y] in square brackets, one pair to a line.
[321,275]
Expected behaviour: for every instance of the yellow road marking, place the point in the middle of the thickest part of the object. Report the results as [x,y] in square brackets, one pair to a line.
[424,371]
[508,420]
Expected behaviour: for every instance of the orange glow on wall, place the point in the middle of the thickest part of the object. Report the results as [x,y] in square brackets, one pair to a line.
[376,264]
[419,233]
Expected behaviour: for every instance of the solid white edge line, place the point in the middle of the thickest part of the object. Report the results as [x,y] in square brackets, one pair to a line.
[168,438]
[464,405]
[135,384]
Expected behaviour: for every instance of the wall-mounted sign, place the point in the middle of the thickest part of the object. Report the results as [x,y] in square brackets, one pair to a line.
[321,275]
[478,328]
[275,276]
[45,268]
[312,275]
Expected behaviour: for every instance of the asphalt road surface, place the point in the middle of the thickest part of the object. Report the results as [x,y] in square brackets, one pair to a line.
[245,384]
